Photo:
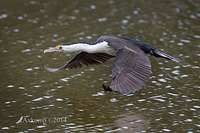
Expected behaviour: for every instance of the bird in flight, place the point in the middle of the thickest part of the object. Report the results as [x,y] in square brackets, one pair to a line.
[131,69]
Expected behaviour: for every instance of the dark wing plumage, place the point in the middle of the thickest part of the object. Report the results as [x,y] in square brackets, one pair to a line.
[83,59]
[131,70]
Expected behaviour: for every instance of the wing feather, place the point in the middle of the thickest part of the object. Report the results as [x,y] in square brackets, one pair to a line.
[131,71]
[83,59]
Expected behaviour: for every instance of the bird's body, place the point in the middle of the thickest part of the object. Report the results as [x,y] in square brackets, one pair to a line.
[132,67]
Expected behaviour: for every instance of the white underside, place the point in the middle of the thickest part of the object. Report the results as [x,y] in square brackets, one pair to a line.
[101,47]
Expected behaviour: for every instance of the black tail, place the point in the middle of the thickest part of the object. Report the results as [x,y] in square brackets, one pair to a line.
[157,53]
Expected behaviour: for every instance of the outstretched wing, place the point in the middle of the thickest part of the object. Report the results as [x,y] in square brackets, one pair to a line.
[83,59]
[131,70]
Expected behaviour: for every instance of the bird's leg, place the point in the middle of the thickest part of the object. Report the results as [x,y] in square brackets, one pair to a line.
[106,88]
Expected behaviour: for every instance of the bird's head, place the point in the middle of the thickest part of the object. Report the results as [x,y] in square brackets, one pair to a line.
[58,48]
[72,47]
[67,47]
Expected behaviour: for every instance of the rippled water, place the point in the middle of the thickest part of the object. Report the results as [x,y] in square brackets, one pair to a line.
[74,101]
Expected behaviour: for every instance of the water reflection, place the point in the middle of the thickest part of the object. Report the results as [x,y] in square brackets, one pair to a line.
[131,122]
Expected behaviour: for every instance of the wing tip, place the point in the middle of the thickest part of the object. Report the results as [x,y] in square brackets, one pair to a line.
[48,69]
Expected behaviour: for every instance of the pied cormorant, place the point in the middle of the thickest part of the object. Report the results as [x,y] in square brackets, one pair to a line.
[131,69]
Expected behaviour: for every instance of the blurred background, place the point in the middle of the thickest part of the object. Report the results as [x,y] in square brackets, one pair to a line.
[37,100]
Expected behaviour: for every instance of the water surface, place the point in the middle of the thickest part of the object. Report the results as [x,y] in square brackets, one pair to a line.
[74,101]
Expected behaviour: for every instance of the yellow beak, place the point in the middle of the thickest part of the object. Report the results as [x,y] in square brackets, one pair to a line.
[53,50]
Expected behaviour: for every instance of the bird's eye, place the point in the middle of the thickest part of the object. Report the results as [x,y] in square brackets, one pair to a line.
[59,47]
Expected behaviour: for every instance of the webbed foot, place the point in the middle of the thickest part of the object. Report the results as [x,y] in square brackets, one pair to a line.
[106,88]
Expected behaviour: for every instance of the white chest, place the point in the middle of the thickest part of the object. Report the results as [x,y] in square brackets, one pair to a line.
[101,47]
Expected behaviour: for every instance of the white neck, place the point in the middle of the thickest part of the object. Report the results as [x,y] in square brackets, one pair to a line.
[101,47]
